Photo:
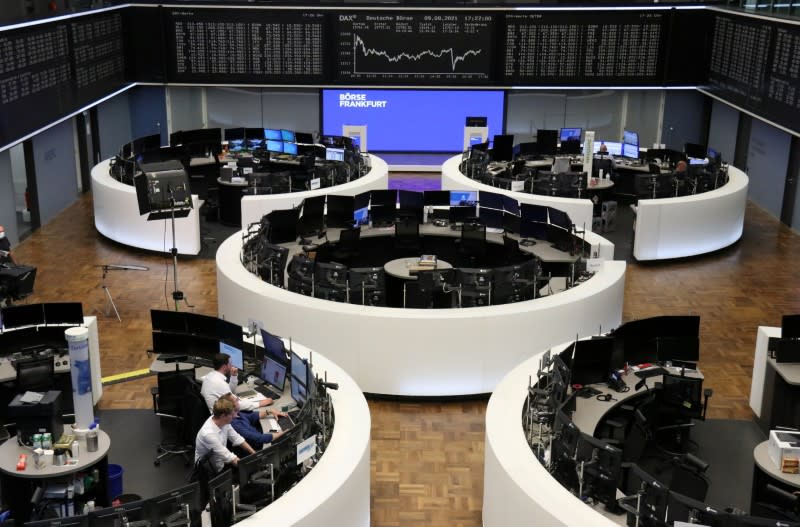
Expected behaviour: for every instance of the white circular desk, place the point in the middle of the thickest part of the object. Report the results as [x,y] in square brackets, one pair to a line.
[516,486]
[579,210]
[691,225]
[337,489]
[254,207]
[421,352]
[116,216]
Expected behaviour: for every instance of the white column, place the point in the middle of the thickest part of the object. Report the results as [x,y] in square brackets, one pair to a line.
[78,341]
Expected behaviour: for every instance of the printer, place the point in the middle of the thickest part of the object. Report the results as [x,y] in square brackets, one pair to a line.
[31,418]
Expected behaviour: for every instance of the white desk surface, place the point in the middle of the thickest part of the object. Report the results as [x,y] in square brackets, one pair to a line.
[765,463]
[402,267]
[464,351]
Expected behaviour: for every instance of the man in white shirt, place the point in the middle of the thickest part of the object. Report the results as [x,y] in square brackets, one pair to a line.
[216,432]
[215,385]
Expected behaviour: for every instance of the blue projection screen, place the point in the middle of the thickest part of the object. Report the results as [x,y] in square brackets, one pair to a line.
[411,120]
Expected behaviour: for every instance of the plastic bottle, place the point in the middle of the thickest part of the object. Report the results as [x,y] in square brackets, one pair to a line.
[75,449]
[91,440]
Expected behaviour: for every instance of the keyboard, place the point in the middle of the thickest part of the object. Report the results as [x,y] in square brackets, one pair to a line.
[285,422]
[652,372]
[266,391]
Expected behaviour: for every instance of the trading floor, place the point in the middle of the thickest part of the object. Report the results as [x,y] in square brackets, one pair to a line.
[427,458]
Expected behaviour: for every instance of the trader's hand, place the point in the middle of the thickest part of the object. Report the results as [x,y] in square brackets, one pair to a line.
[275,412]
[234,371]
[235,461]
[276,435]
[265,402]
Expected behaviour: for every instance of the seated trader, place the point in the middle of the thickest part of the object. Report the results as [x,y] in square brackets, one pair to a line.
[215,385]
[248,425]
[5,248]
[603,150]
[215,433]
[680,168]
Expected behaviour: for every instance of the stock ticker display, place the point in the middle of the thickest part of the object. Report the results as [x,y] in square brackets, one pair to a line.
[756,65]
[435,47]
[51,69]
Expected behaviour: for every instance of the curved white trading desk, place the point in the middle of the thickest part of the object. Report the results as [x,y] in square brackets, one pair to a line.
[691,225]
[421,352]
[254,207]
[116,216]
[338,486]
[516,487]
[579,210]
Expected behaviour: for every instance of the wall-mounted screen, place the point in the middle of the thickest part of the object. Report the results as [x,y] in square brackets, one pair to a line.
[411,120]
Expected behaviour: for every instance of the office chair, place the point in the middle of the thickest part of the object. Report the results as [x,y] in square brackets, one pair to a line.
[168,402]
[689,478]
[348,244]
[367,286]
[301,275]
[473,241]
[35,374]
[681,399]
[475,287]
[511,250]
[406,235]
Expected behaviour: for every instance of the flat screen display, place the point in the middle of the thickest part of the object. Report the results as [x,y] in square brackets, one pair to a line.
[290,148]
[631,151]
[463,198]
[361,216]
[411,120]
[614,148]
[632,138]
[569,134]
[275,146]
[273,373]
[236,354]
[334,154]
[287,135]
[273,135]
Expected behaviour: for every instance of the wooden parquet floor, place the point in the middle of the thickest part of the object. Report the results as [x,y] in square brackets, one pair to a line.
[427,458]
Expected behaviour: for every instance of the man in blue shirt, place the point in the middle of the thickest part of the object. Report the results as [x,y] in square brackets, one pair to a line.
[248,425]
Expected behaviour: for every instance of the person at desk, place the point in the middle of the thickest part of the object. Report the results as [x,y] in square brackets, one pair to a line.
[5,248]
[603,150]
[680,169]
[216,432]
[215,385]
[248,425]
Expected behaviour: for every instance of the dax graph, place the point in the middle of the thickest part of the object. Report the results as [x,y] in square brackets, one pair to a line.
[393,48]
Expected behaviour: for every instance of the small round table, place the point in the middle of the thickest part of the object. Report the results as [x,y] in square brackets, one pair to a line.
[403,267]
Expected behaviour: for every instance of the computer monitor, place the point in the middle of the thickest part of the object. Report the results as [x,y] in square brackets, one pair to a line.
[299,368]
[511,205]
[24,315]
[236,145]
[275,146]
[492,218]
[299,391]
[63,313]
[290,148]
[270,134]
[570,134]
[339,211]
[613,148]
[220,499]
[463,198]
[174,505]
[384,198]
[547,141]
[503,147]
[304,138]
[135,511]
[436,198]
[630,137]
[410,199]
[593,360]
[559,218]
[361,200]
[531,212]
[274,348]
[571,147]
[602,469]
[237,358]
[273,373]
[461,214]
[283,225]
[695,151]
[234,134]
[288,135]
[630,151]
[491,200]
[256,472]
[334,154]
[67,521]
[254,144]
[790,326]
[361,216]
[312,218]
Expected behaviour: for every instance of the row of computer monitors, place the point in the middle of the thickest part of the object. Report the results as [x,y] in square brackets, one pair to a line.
[207,141]
[41,314]
[199,337]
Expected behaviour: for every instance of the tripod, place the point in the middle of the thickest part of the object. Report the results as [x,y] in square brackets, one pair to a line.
[109,299]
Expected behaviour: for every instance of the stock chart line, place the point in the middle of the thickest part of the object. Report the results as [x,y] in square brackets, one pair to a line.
[454,59]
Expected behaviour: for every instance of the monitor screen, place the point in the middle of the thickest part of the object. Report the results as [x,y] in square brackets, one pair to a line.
[435,198]
[173,503]
[113,516]
[695,151]
[570,134]
[299,368]
[290,148]
[790,327]
[274,347]
[547,141]
[334,154]
[273,373]
[288,135]
[613,148]
[503,147]
[275,146]
[532,229]
[314,207]
[273,135]
[68,521]
[410,199]
[63,313]
[559,218]
[235,353]
[361,216]
[511,205]
[299,391]
[593,360]
[463,198]
[25,315]
[491,200]
[492,218]
[384,198]
[220,499]
[631,138]
[254,144]
[234,134]
[339,211]
[631,151]
[304,138]
[461,214]
[530,212]
[361,200]
[235,145]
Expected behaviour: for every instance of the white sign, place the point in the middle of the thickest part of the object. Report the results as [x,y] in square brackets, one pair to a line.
[314,183]
[306,449]
[247,170]
[518,186]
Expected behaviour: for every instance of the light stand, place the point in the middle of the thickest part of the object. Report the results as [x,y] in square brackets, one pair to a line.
[109,299]
[177,294]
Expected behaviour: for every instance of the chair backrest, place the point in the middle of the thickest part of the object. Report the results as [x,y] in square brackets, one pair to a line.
[683,394]
[195,411]
[349,238]
[689,482]
[406,228]
[171,388]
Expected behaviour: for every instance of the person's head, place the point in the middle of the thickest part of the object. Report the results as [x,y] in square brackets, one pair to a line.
[603,148]
[222,363]
[235,400]
[681,166]
[224,411]
[2,232]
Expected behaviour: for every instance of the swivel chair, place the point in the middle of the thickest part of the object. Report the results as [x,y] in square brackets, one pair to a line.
[168,399]
[347,247]
[406,235]
[689,478]
[301,275]
[473,241]
[475,287]
[681,400]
